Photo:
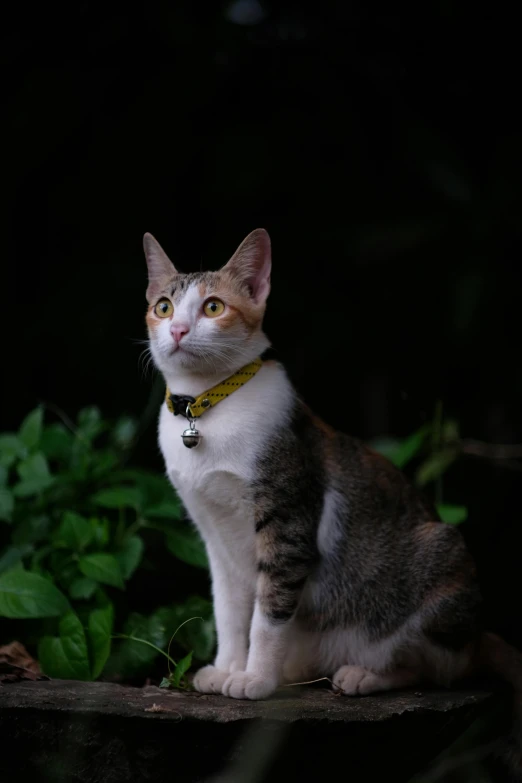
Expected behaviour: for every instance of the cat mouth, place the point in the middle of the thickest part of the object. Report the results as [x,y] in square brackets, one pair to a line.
[179,348]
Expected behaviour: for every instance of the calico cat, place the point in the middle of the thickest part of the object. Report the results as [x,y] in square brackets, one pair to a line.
[325,561]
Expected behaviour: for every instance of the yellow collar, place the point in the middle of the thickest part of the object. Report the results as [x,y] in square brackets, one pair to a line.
[193,407]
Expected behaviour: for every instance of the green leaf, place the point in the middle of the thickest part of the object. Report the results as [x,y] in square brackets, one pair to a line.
[11,449]
[387,446]
[62,566]
[102,568]
[90,423]
[40,555]
[75,532]
[13,555]
[100,531]
[56,442]
[124,432]
[66,656]
[129,556]
[35,476]
[6,505]
[180,669]
[410,447]
[452,515]
[80,461]
[450,431]
[3,476]
[118,497]
[31,530]
[31,429]
[25,489]
[400,452]
[434,466]
[24,595]
[99,632]
[168,509]
[129,658]
[104,463]
[83,588]
[165,682]
[186,544]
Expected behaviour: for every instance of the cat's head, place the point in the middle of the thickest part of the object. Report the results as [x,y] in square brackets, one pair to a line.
[208,322]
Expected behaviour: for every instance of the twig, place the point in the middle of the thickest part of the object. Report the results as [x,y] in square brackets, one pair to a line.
[63,416]
[310,682]
[491,450]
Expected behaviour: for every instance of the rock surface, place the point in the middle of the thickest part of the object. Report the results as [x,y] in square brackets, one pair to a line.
[105,733]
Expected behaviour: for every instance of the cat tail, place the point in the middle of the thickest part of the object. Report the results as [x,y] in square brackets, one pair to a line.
[505,661]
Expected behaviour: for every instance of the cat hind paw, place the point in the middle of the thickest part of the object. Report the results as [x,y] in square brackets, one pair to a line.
[358,681]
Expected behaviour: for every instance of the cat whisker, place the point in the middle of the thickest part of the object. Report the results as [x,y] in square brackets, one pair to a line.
[224,349]
[145,361]
[138,340]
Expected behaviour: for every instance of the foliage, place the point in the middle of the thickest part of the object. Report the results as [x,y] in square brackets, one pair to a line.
[434,447]
[157,629]
[72,523]
[177,675]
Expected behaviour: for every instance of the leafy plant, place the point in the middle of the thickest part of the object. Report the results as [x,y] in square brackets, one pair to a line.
[435,446]
[176,676]
[73,517]
[156,631]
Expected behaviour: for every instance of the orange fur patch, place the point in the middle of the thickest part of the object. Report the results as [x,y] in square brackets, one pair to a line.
[238,301]
[152,320]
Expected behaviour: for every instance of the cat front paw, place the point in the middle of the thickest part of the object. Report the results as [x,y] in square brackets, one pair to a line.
[245,685]
[210,679]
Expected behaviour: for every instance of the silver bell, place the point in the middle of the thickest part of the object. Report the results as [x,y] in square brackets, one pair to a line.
[191,437]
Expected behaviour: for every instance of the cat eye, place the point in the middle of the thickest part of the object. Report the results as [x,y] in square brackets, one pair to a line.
[164,308]
[213,308]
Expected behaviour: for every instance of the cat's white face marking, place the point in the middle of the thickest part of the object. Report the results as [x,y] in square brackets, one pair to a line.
[173,350]
[190,340]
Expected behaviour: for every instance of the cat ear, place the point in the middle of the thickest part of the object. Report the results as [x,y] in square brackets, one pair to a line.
[252,262]
[159,264]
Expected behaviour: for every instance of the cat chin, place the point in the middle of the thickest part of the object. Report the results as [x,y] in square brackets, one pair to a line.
[184,361]
[180,360]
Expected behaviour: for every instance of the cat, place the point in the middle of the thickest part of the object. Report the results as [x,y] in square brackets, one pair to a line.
[325,560]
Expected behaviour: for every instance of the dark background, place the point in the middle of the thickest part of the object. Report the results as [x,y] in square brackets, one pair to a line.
[380,148]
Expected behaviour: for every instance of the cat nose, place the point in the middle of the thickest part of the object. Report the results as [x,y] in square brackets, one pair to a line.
[178,331]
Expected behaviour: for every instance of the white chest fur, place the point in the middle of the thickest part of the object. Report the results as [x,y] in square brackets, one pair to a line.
[213,479]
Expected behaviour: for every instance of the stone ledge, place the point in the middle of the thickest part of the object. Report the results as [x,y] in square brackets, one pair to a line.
[104,733]
[290,705]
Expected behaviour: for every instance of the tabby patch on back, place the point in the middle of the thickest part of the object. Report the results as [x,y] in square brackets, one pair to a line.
[325,560]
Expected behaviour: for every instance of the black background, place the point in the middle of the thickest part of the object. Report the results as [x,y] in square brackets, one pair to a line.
[381,149]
